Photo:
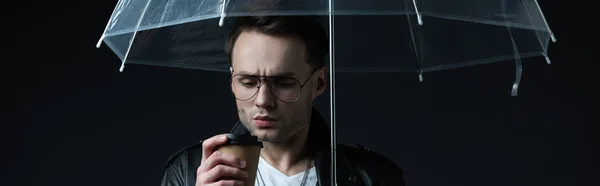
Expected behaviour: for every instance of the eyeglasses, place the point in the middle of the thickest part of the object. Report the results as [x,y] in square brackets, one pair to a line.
[286,89]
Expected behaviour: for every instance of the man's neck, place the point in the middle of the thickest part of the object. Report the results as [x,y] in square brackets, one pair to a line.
[289,157]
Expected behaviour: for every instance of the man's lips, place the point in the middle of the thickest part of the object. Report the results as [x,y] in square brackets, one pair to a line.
[266,118]
[263,121]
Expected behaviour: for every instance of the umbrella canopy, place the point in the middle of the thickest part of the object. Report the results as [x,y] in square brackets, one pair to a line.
[403,36]
[376,36]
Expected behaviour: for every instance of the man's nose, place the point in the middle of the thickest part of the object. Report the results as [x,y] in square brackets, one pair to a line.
[264,97]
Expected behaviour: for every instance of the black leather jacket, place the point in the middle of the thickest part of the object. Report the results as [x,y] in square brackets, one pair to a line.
[355,165]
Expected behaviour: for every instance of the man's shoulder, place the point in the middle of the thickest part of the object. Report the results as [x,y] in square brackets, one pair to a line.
[359,150]
[181,165]
[189,151]
[367,158]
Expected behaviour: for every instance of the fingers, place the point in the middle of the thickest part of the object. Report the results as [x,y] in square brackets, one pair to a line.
[223,172]
[209,145]
[218,158]
[218,168]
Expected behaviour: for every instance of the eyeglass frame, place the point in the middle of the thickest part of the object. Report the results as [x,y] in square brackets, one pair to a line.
[261,79]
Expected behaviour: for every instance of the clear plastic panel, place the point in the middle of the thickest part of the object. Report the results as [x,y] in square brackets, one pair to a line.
[465,43]
[125,16]
[195,45]
[445,44]
[186,34]
[119,44]
[150,15]
[170,12]
[158,13]
[276,7]
[375,44]
[373,7]
[385,44]
[318,7]
[517,13]
[543,39]
[364,44]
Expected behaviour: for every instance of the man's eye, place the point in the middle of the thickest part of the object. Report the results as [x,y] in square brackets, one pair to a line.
[249,83]
[284,84]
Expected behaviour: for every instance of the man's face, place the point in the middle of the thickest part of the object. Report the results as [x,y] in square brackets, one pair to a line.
[266,114]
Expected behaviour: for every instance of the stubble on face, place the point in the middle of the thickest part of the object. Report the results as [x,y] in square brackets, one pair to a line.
[287,127]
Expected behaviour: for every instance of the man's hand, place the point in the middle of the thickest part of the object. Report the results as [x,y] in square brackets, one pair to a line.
[216,166]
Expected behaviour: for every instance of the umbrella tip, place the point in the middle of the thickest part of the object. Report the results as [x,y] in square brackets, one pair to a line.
[515,89]
[552,37]
[223,14]
[122,68]
[221,21]
[420,77]
[547,59]
[100,41]
[420,19]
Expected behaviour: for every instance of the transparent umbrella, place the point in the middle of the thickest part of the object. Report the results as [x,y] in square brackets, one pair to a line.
[376,36]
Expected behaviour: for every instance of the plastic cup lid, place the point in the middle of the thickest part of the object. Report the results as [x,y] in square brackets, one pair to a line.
[244,140]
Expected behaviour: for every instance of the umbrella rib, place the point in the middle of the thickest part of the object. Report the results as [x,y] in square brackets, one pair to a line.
[107,24]
[223,14]
[414,44]
[418,13]
[545,53]
[133,36]
[545,22]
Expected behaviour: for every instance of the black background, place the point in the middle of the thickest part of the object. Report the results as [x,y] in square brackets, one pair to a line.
[73,119]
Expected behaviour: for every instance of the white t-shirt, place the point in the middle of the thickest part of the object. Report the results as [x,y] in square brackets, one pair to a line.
[273,177]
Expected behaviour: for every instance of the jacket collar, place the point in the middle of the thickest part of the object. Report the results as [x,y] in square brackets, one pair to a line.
[318,139]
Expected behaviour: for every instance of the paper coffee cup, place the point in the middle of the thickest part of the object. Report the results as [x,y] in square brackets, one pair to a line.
[246,147]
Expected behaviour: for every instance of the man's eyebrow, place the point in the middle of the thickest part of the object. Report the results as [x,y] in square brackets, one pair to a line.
[284,74]
[279,74]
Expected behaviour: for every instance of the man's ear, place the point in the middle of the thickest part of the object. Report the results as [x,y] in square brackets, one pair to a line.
[321,84]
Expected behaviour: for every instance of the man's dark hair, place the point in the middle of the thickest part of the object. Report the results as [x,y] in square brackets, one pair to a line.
[307,28]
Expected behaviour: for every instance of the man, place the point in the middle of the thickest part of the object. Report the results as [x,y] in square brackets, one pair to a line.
[277,71]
